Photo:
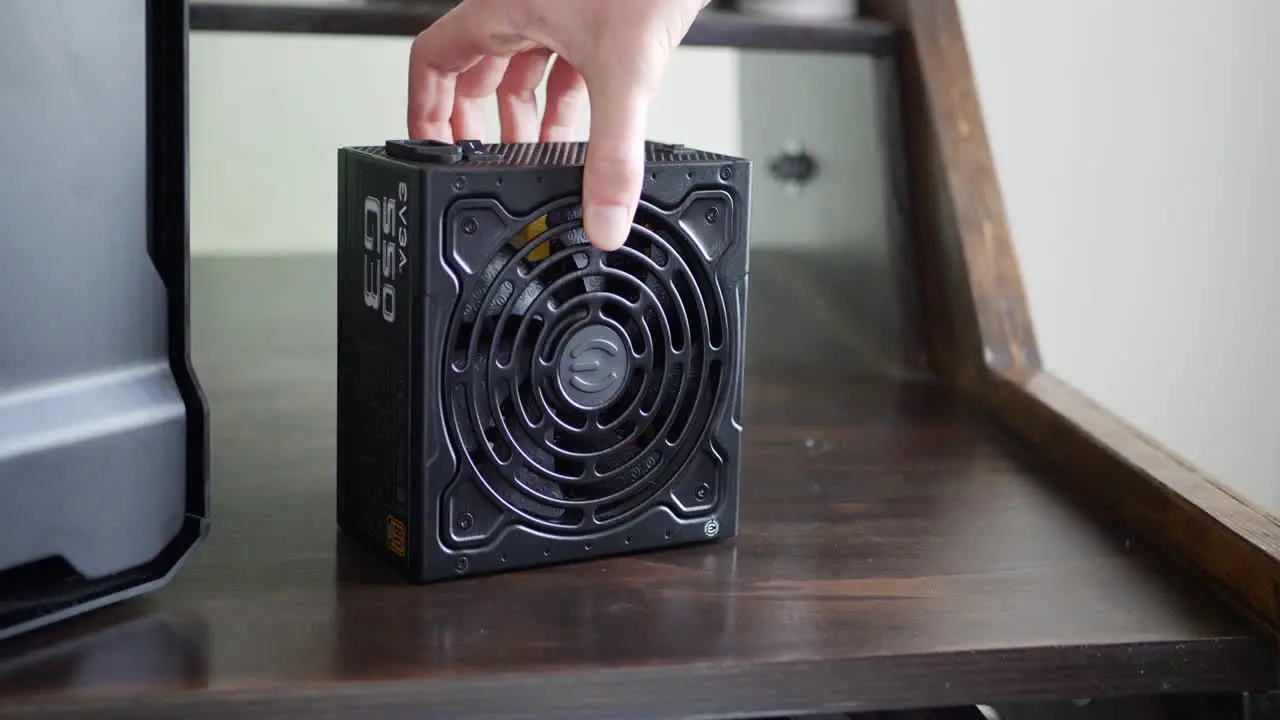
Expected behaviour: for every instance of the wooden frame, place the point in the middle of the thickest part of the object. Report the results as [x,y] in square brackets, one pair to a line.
[981,340]
[902,553]
[715,28]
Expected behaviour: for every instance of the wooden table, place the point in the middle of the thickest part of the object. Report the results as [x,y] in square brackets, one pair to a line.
[897,550]
[913,529]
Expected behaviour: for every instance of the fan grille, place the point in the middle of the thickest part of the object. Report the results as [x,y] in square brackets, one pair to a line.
[580,380]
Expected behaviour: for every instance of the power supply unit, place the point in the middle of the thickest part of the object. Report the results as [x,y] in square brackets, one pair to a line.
[511,396]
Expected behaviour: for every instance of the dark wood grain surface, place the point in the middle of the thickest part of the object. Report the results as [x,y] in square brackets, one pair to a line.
[408,18]
[896,551]
[981,340]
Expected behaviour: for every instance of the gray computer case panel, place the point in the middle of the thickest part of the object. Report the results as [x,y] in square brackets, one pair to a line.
[103,441]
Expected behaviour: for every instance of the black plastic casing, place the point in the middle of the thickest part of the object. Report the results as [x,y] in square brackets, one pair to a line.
[438,214]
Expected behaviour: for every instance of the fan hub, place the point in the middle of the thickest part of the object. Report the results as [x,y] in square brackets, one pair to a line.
[593,366]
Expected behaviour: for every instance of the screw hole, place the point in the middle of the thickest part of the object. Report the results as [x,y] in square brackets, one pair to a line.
[546,552]
[587,546]
[539,180]
[499,182]
[668,534]
[503,558]
[690,174]
[653,176]
[627,541]
[465,521]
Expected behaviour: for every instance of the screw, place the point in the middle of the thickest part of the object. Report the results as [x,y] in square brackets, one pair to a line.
[712,215]
[461,182]
[726,172]
[465,521]
[461,565]
[469,226]
[702,492]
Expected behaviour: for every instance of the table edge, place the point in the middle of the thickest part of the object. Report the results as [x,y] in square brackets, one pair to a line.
[849,684]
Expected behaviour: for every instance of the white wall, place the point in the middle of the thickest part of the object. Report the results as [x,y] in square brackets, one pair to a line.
[1138,147]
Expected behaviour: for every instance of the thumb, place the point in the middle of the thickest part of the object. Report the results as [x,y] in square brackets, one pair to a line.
[614,170]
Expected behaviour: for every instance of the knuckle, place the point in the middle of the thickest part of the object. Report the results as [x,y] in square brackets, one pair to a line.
[566,102]
[517,95]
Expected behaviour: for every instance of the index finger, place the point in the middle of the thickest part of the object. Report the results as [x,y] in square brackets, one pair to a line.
[461,38]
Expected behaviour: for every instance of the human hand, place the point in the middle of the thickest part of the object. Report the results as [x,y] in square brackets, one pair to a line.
[613,52]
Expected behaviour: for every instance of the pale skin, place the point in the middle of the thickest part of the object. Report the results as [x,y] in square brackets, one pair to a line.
[610,53]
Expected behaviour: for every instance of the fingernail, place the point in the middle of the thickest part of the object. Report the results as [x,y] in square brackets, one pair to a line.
[608,226]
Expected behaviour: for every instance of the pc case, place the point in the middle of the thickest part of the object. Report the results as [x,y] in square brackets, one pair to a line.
[103,446]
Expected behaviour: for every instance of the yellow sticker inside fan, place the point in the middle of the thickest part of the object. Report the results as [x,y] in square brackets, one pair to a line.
[535,228]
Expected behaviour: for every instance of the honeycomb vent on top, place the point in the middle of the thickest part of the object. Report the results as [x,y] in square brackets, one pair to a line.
[561,154]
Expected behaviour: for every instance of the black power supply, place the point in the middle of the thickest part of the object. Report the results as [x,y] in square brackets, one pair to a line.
[509,395]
